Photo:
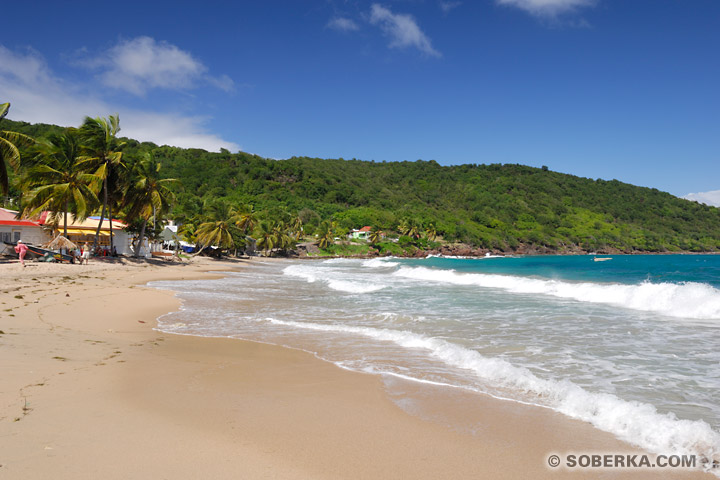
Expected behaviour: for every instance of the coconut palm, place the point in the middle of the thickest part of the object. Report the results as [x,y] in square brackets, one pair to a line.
[325,235]
[188,231]
[9,142]
[220,227]
[410,228]
[375,236]
[296,227]
[283,239]
[414,231]
[431,232]
[265,235]
[102,149]
[147,195]
[58,182]
[247,220]
[216,233]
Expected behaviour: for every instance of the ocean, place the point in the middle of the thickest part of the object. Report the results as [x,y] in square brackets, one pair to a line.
[630,345]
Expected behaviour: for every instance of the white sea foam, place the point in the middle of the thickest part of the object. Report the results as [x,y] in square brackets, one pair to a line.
[339,261]
[379,262]
[392,317]
[685,300]
[354,287]
[302,271]
[312,274]
[635,422]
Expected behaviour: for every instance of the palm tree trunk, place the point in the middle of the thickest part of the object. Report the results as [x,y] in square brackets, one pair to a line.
[104,209]
[110,220]
[65,219]
[140,241]
[199,251]
[97,231]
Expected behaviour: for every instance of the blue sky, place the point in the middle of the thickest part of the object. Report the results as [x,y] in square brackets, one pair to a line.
[624,89]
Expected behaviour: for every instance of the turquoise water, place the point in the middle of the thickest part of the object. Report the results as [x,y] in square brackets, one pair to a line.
[629,345]
[626,269]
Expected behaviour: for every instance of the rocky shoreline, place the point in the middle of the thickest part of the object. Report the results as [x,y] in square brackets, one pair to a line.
[461,250]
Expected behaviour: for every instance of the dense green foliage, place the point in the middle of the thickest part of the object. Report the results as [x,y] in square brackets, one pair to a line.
[492,206]
[10,145]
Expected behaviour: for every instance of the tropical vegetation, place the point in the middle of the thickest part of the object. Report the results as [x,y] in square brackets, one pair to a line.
[9,151]
[237,201]
[56,180]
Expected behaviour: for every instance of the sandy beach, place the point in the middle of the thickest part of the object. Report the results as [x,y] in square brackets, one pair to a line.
[90,390]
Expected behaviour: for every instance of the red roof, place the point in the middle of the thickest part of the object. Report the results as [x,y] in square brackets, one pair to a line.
[8,217]
[365,229]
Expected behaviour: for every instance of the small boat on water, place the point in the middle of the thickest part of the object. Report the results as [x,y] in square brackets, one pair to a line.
[601,259]
[42,252]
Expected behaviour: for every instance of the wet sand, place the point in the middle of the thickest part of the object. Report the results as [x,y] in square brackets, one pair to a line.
[90,390]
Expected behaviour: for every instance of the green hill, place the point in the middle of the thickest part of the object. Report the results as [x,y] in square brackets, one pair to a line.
[491,206]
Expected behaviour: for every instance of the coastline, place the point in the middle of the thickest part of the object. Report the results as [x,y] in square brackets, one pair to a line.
[481,253]
[90,389]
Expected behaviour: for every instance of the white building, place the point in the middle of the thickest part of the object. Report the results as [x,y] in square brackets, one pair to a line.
[84,232]
[12,230]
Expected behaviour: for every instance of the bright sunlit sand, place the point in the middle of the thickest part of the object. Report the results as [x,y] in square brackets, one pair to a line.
[90,389]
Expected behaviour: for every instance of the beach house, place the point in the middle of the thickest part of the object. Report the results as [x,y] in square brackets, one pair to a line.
[360,234]
[13,229]
[80,232]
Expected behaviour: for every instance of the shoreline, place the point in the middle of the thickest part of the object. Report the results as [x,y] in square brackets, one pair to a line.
[435,253]
[90,388]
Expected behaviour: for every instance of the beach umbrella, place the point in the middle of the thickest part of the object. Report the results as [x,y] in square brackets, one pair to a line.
[60,242]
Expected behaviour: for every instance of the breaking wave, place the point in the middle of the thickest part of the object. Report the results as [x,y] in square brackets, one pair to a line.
[312,274]
[635,422]
[685,300]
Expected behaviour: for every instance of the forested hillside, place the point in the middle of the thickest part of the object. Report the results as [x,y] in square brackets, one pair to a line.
[492,206]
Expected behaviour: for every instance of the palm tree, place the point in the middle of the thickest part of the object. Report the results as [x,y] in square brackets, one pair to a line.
[296,227]
[215,233]
[220,226]
[147,195]
[414,231]
[375,236]
[58,181]
[325,235]
[265,235]
[411,228]
[247,220]
[99,136]
[188,231]
[283,240]
[9,151]
[431,233]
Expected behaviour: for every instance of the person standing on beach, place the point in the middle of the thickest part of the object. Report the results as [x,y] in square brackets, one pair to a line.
[85,254]
[21,250]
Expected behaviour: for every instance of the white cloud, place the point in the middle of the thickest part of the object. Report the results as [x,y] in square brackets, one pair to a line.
[38,96]
[172,129]
[708,198]
[402,29]
[142,63]
[223,82]
[547,8]
[343,24]
[447,6]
